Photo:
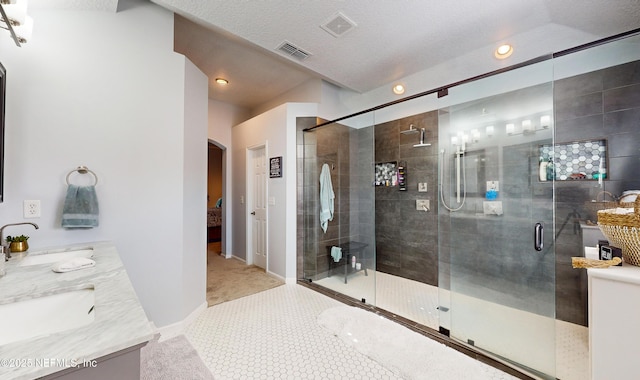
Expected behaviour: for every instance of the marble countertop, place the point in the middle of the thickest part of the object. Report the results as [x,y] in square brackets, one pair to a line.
[120,322]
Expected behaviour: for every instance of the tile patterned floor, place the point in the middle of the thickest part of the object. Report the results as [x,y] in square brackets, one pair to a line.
[418,302]
[274,335]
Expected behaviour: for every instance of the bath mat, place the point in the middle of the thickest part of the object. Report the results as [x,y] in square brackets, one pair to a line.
[402,351]
[172,359]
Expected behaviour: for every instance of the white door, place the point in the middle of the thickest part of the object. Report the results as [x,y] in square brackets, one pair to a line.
[258,207]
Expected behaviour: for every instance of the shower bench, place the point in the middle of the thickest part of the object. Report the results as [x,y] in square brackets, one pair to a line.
[349,249]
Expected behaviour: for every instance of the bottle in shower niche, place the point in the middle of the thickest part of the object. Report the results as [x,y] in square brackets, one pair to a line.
[543,169]
[551,170]
[353,261]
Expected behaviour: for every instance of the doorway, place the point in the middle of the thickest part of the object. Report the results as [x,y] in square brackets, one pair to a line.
[215,188]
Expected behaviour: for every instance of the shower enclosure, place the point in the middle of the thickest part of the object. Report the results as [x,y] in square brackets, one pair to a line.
[461,211]
[497,264]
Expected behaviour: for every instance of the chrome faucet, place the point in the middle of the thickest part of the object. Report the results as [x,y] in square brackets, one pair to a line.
[2,242]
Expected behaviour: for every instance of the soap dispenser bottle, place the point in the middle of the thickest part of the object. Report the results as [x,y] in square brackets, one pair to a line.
[551,170]
[543,169]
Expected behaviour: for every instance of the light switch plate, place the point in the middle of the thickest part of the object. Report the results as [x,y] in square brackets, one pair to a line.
[272,201]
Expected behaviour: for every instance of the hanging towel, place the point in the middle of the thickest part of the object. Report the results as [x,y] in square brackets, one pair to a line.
[326,197]
[80,208]
[336,253]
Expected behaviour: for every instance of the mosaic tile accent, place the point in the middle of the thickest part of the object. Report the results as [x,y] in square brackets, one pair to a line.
[386,174]
[577,160]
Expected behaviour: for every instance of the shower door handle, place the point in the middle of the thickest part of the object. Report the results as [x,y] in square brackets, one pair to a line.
[538,236]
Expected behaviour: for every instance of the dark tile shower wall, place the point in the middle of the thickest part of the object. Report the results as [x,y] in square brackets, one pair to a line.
[603,104]
[406,239]
[362,202]
[344,150]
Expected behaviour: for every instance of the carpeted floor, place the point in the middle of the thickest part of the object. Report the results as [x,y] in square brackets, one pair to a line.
[172,359]
[229,279]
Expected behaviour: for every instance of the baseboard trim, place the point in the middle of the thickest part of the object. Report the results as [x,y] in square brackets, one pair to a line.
[175,329]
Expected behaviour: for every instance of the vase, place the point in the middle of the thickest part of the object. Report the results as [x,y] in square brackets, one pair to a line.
[18,246]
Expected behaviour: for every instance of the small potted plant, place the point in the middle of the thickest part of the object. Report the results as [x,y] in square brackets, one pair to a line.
[18,243]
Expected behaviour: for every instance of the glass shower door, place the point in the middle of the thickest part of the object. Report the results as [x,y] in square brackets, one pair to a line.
[497,261]
[338,206]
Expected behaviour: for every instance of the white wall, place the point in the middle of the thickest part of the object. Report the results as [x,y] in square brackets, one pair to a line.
[222,118]
[277,130]
[194,198]
[106,90]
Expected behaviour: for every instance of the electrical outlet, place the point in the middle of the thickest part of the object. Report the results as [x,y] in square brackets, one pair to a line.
[422,205]
[422,187]
[32,209]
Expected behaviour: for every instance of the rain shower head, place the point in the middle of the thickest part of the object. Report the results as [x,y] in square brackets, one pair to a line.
[410,131]
[422,143]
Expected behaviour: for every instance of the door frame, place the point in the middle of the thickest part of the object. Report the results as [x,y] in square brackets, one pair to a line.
[249,205]
[226,226]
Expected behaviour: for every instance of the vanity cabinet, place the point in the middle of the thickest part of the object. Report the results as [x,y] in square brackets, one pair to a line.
[614,322]
[121,365]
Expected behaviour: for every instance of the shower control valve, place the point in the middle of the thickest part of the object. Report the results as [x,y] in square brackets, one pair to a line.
[422,205]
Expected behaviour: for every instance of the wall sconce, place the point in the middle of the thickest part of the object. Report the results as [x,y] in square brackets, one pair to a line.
[545,121]
[13,14]
[475,135]
[489,131]
[510,128]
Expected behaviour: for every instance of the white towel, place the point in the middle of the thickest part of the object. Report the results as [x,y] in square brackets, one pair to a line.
[336,253]
[326,197]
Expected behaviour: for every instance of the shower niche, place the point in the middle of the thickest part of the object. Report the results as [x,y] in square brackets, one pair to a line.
[386,174]
[579,160]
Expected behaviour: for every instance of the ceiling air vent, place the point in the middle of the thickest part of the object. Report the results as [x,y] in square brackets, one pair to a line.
[289,49]
[338,25]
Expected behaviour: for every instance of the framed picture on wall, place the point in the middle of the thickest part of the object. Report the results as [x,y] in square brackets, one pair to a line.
[275,167]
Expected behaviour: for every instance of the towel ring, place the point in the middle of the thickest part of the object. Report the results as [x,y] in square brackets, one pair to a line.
[83,170]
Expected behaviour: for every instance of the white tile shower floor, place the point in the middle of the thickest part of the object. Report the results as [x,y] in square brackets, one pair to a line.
[274,335]
[419,302]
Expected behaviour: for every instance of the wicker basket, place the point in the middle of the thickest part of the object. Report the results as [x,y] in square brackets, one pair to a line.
[623,231]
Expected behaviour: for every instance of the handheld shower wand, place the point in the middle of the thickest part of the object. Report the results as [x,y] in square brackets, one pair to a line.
[459,153]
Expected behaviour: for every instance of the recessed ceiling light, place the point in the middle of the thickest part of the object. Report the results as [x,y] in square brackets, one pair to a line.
[398,89]
[222,81]
[503,51]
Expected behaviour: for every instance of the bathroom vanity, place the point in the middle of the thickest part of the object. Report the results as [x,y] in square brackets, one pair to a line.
[93,327]
[614,330]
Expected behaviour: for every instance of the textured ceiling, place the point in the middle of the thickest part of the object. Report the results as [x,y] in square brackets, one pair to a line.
[392,39]
[254,75]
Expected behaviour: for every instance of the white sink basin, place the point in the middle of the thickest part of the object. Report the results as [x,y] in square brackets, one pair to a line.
[46,315]
[49,257]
